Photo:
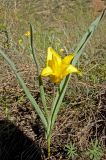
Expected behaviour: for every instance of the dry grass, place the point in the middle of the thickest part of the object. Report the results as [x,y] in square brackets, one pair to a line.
[61,25]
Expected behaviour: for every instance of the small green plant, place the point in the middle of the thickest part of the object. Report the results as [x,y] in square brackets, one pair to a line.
[71,151]
[21,100]
[95,152]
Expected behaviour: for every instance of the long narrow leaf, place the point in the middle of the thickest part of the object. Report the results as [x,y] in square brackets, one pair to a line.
[64,83]
[24,87]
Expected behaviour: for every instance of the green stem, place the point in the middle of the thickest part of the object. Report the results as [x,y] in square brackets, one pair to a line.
[48,145]
[42,92]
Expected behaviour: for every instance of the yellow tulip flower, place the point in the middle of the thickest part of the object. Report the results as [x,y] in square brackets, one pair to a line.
[27,34]
[56,67]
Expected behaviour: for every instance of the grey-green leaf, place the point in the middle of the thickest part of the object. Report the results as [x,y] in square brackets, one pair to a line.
[24,87]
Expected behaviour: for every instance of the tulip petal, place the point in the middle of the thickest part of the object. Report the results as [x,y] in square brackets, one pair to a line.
[47,71]
[70,69]
[68,59]
[51,54]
